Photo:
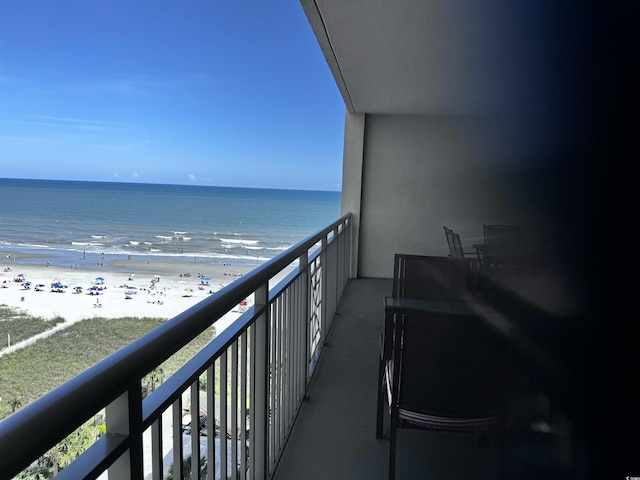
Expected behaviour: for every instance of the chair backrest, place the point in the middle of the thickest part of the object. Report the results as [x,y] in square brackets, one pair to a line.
[501,237]
[453,240]
[429,278]
[452,366]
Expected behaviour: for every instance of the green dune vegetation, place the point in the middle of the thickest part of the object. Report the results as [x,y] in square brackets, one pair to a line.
[30,372]
[16,326]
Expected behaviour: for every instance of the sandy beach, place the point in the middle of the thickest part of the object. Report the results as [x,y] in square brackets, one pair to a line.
[161,289]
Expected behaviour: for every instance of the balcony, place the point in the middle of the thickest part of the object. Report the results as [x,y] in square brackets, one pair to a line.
[251,379]
[292,387]
[302,363]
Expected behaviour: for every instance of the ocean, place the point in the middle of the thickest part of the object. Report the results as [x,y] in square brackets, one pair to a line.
[81,223]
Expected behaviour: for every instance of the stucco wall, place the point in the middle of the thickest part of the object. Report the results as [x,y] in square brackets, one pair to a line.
[422,172]
[353,158]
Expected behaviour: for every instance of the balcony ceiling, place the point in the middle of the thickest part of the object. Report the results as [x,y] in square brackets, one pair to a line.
[454,57]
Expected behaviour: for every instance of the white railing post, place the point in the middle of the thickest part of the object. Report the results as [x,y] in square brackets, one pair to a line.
[156,450]
[332,282]
[303,319]
[195,427]
[337,276]
[124,417]
[261,411]
[224,426]
[305,314]
[211,423]
[323,290]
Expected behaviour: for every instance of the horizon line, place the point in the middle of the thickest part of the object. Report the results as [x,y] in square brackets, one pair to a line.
[169,184]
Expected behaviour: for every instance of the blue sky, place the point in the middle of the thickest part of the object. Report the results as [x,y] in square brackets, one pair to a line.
[206,92]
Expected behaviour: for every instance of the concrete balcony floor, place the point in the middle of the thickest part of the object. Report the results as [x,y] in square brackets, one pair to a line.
[334,434]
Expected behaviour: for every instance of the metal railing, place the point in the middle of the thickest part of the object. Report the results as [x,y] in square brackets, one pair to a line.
[260,366]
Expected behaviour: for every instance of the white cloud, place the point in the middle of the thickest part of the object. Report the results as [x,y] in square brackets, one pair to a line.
[194,178]
[135,175]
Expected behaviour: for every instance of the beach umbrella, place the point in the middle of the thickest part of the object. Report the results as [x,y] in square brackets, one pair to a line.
[187,292]
[130,292]
[98,280]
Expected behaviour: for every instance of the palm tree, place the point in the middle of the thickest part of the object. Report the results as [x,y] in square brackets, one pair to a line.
[186,469]
[15,403]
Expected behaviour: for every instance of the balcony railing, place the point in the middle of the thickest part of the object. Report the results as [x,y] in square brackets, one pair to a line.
[261,366]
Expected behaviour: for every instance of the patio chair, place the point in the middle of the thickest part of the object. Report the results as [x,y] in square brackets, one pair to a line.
[501,246]
[423,278]
[456,251]
[453,241]
[448,373]
[429,278]
[455,245]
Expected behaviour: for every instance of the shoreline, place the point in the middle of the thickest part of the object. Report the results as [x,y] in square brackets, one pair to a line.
[117,262]
[132,287]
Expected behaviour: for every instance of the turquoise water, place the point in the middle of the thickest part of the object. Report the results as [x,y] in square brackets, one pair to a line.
[67,221]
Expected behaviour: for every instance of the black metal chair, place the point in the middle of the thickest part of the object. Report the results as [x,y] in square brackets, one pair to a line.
[454,243]
[417,277]
[447,373]
[426,277]
[438,370]
[456,251]
[501,246]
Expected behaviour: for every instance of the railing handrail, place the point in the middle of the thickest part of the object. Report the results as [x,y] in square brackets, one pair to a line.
[48,420]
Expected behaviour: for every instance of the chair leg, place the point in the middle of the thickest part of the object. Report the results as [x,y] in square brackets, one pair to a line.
[392,447]
[381,400]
